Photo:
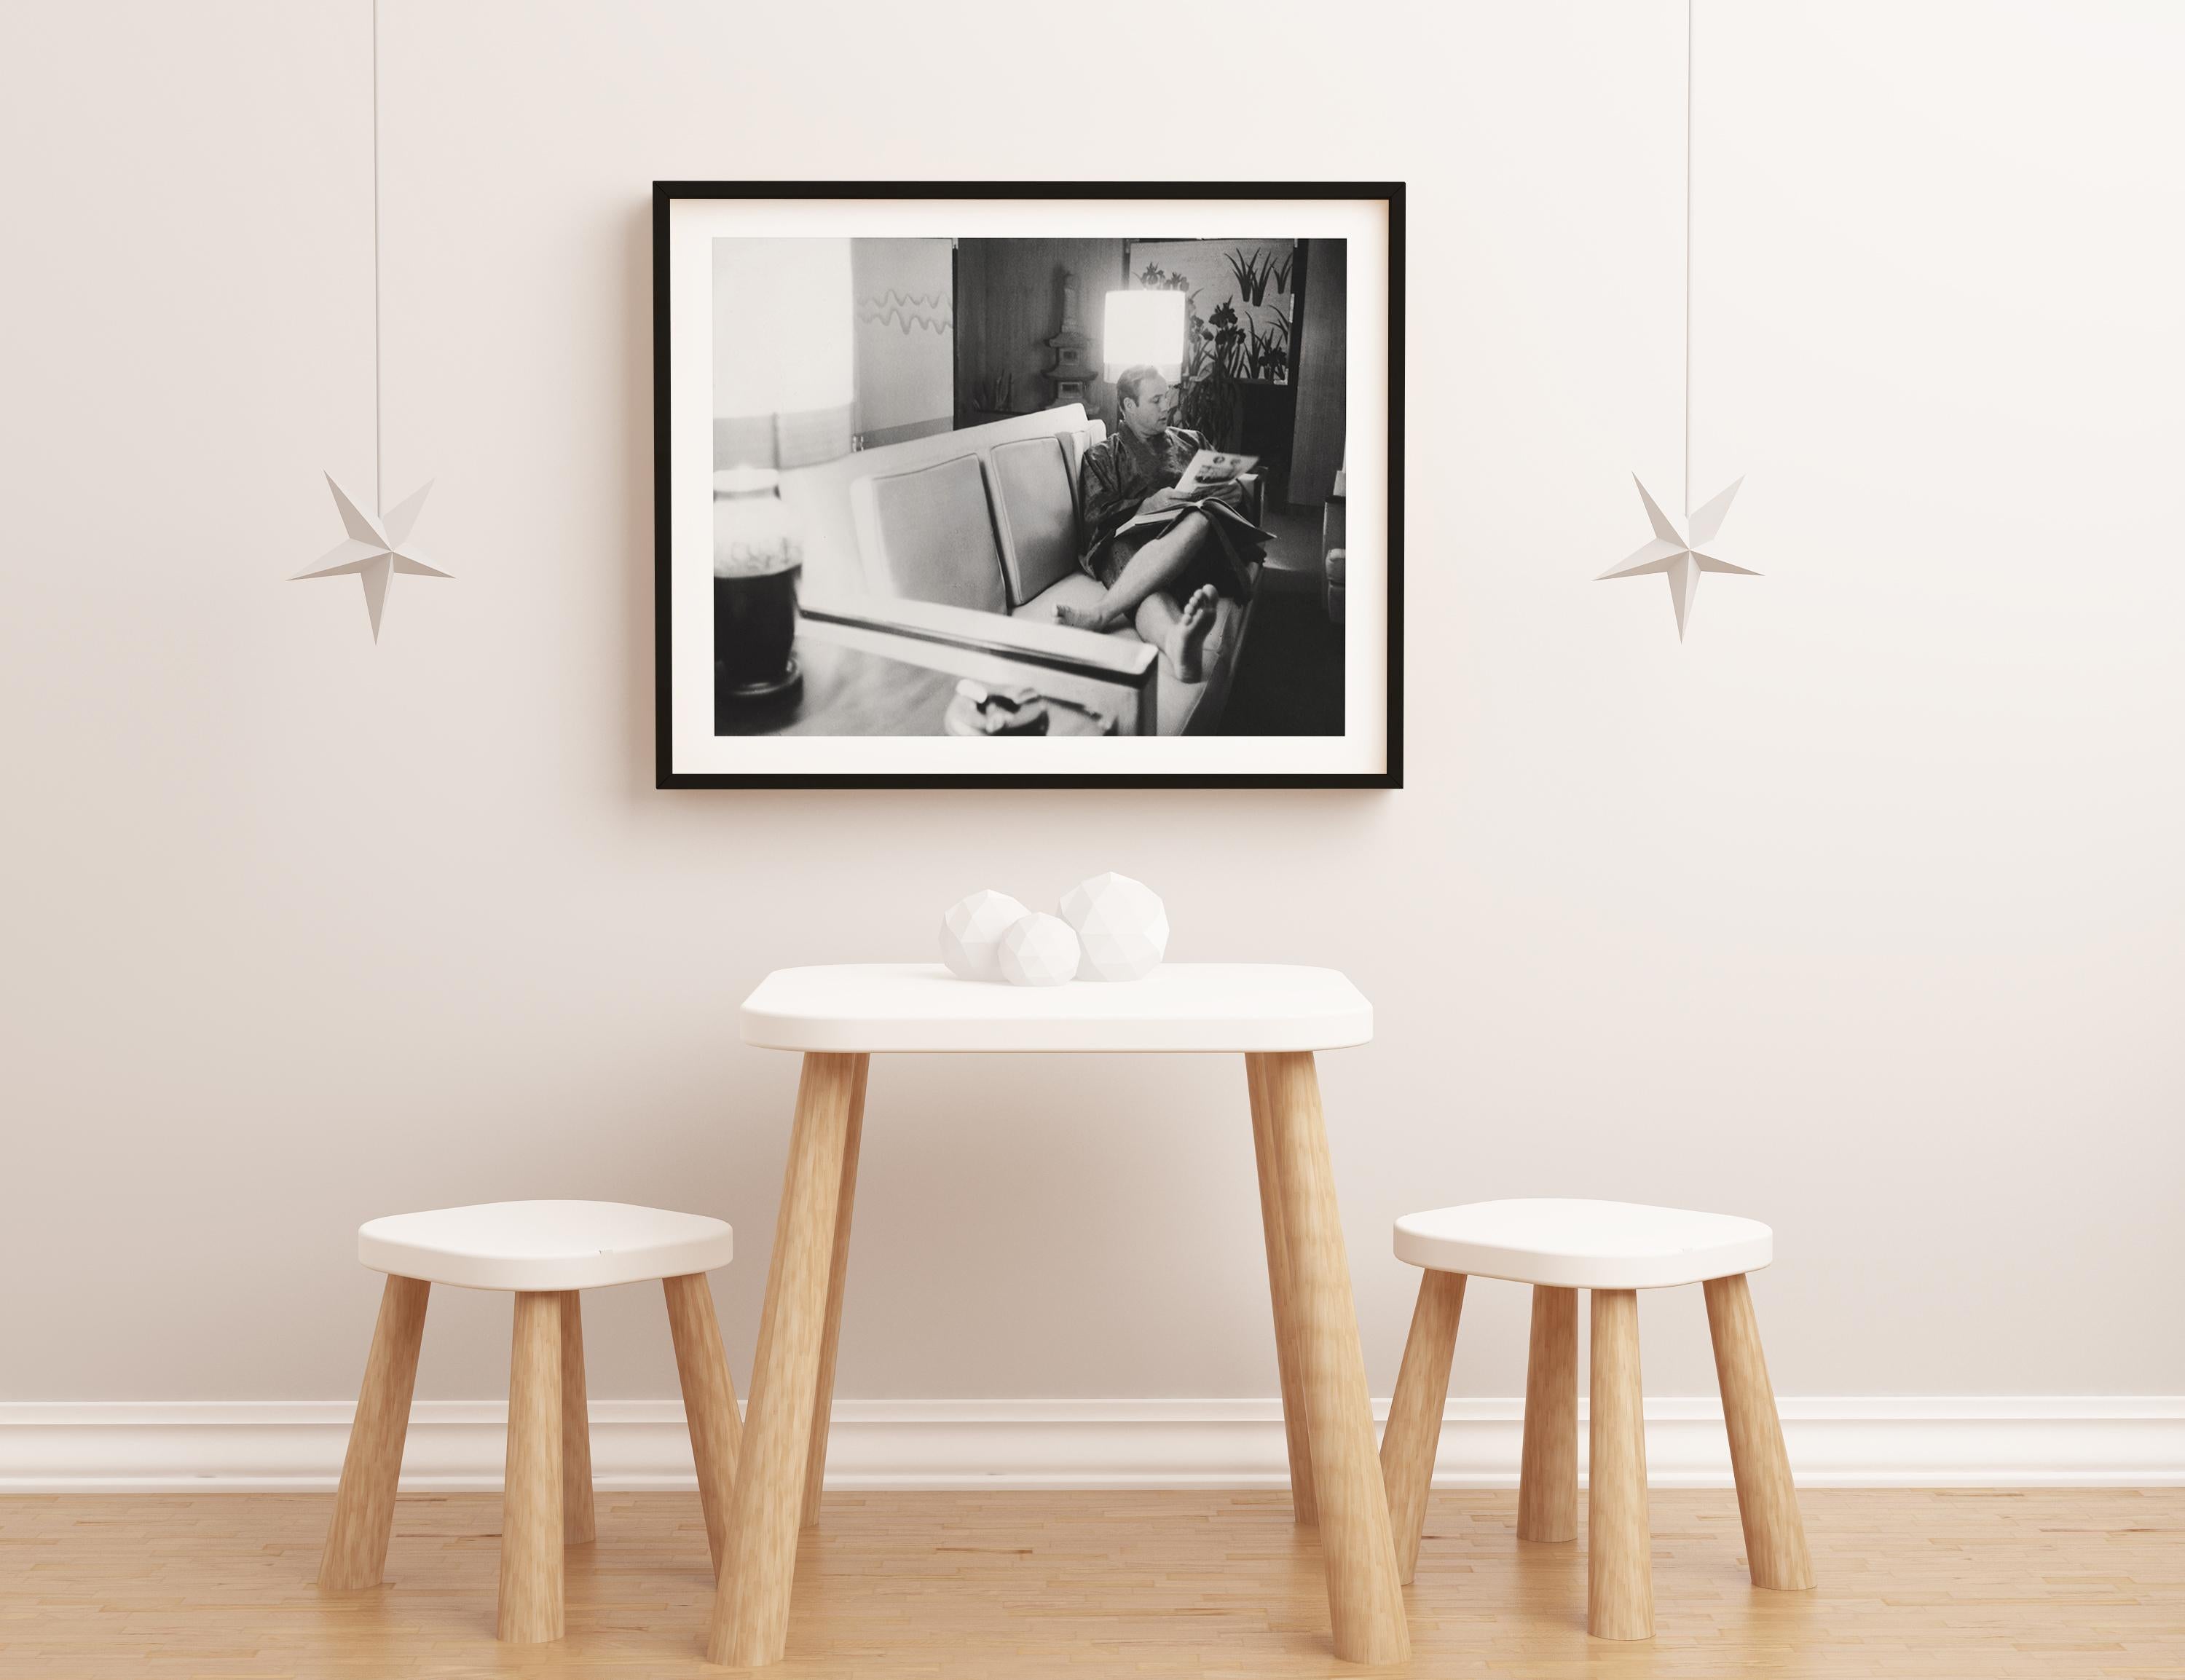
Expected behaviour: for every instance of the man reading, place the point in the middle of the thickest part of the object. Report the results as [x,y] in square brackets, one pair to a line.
[1166,576]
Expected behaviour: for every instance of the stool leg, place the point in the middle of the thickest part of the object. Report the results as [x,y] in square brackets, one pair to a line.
[823,1405]
[709,1402]
[531,1493]
[579,1525]
[1774,1534]
[1547,1481]
[1414,1430]
[1619,1572]
[364,1509]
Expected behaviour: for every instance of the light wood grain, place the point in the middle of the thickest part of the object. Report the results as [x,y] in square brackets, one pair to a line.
[1914,1584]
[364,1509]
[531,1570]
[1547,1477]
[1288,1370]
[751,1615]
[1775,1534]
[1413,1431]
[579,1525]
[1619,1592]
[823,1405]
[709,1402]
[1366,1602]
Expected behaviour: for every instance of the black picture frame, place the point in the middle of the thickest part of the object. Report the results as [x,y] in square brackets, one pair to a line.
[665,193]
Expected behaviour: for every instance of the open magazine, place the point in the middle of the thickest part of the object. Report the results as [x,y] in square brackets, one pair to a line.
[1209,471]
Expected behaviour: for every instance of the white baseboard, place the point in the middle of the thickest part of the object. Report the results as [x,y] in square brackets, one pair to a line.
[2015,1442]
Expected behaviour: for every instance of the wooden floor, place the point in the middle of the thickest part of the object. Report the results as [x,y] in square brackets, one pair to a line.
[1973,1586]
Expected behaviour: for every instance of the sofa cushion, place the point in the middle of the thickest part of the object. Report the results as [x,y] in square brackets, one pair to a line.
[930,534]
[1079,438]
[1038,513]
[1179,707]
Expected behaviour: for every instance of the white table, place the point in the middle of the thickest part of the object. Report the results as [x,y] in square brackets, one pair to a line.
[1277,1016]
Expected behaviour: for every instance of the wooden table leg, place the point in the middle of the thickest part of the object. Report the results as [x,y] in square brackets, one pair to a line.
[823,1402]
[364,1509]
[750,1610]
[1303,1505]
[1365,1602]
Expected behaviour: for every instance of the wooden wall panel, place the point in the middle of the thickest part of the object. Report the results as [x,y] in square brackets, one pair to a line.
[1317,450]
[1008,304]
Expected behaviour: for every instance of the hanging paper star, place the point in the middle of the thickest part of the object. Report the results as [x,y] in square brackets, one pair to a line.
[377,549]
[1672,554]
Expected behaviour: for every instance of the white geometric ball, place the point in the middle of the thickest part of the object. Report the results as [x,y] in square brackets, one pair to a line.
[1039,950]
[1121,924]
[971,934]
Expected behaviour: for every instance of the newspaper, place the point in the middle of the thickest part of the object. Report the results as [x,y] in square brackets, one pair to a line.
[1210,468]
[1209,471]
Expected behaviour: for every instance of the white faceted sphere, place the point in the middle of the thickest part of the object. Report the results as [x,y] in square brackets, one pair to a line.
[971,934]
[1039,950]
[1121,924]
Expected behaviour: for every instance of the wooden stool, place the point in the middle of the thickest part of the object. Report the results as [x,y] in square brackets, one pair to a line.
[1614,1249]
[545,1252]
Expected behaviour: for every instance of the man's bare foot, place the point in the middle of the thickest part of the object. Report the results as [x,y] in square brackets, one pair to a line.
[1077,618]
[1183,645]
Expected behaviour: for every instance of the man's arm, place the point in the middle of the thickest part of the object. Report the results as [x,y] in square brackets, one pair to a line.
[1100,495]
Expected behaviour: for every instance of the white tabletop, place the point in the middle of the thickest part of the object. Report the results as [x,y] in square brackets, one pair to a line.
[1181,1006]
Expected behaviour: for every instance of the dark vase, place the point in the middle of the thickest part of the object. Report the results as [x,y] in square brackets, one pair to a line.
[757,564]
[754,626]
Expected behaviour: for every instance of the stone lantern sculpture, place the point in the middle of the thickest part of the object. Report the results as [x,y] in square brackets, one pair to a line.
[1073,371]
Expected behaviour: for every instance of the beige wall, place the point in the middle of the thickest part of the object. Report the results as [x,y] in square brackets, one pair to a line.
[905,338]
[1859,912]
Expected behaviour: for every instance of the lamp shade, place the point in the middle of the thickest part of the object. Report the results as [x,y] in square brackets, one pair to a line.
[783,379]
[1142,327]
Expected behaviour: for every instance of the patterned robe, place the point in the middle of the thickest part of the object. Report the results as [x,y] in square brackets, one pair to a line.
[1117,475]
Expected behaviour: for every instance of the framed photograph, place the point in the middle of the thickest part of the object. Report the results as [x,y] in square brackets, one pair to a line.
[1018,484]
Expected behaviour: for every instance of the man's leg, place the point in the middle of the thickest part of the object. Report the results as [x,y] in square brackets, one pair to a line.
[1149,569]
[1180,633]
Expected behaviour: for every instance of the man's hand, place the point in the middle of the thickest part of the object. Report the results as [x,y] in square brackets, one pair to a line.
[1161,501]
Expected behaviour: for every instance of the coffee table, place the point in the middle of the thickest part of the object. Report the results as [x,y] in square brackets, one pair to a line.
[854,691]
[1277,1017]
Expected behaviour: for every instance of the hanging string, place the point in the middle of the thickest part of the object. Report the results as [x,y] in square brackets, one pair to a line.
[1688,256]
[378,456]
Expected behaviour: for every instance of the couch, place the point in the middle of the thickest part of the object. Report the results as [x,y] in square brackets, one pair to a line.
[986,518]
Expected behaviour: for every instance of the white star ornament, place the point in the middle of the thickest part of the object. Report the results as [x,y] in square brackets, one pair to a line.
[376,549]
[1681,559]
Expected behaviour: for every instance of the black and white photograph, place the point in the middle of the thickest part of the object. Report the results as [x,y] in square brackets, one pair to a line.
[1069,487]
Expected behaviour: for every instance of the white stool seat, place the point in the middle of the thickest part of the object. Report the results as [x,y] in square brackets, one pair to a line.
[543,1247]
[1573,1244]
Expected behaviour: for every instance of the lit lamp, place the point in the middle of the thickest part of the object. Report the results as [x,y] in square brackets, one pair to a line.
[782,387]
[1144,328]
